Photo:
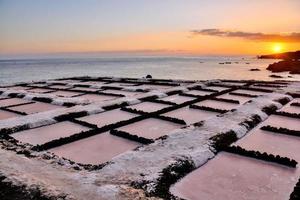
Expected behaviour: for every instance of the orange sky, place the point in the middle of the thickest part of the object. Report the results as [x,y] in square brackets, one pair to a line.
[134,26]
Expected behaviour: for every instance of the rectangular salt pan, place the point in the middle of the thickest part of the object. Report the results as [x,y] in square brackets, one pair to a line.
[35,107]
[284,122]
[108,117]
[65,93]
[217,104]
[48,133]
[252,92]
[150,128]
[97,97]
[125,93]
[177,99]
[199,92]
[190,115]
[60,86]
[12,101]
[272,143]
[85,89]
[241,99]
[292,109]
[234,177]
[96,149]
[40,90]
[218,88]
[157,87]
[149,106]
[7,115]
[18,88]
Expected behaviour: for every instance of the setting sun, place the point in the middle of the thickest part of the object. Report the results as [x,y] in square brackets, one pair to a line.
[277,48]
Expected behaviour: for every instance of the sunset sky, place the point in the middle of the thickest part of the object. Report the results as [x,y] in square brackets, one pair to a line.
[208,27]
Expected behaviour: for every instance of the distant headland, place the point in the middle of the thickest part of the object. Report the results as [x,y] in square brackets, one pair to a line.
[285,56]
[290,62]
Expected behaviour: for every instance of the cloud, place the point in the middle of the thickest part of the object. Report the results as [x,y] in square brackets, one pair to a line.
[264,37]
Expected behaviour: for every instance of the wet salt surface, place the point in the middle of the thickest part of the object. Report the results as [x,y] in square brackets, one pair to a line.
[149,106]
[284,122]
[217,104]
[199,92]
[250,92]
[65,93]
[177,99]
[292,109]
[85,89]
[6,115]
[60,86]
[190,115]
[12,101]
[96,149]
[150,128]
[241,99]
[97,97]
[40,90]
[45,134]
[108,117]
[35,107]
[218,88]
[120,84]
[274,143]
[234,177]
[235,83]
[19,88]
[126,93]
[38,85]
[157,87]
[93,82]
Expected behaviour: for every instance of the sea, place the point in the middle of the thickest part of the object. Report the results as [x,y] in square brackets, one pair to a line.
[163,67]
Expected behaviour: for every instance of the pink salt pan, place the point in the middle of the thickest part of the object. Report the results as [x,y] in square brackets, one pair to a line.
[177,99]
[241,99]
[234,177]
[157,87]
[126,93]
[60,86]
[235,83]
[85,89]
[199,92]
[190,115]
[120,84]
[65,93]
[12,101]
[6,115]
[291,109]
[217,104]
[284,122]
[274,143]
[35,107]
[96,149]
[148,106]
[45,134]
[150,128]
[97,97]
[18,88]
[253,92]
[40,90]
[108,117]
[218,88]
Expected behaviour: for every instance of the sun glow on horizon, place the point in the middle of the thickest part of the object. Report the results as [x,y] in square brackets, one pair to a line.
[277,48]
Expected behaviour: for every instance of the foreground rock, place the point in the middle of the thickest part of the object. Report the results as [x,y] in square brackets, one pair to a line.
[293,66]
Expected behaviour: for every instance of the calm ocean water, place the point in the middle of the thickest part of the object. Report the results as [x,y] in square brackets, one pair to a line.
[195,68]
